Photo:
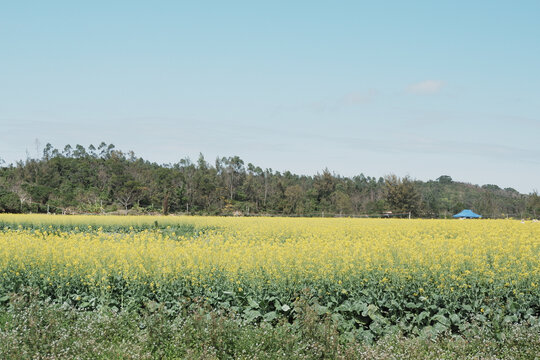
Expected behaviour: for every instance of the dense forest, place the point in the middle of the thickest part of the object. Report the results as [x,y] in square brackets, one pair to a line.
[107,180]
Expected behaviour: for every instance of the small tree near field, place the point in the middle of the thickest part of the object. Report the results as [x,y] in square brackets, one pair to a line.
[533,204]
[401,194]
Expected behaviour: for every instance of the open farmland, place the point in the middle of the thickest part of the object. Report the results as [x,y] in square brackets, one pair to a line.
[367,278]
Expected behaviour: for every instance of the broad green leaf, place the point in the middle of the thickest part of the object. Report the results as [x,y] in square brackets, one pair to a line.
[411,305]
[454,318]
[439,327]
[253,304]
[423,315]
[441,319]
[270,316]
[252,315]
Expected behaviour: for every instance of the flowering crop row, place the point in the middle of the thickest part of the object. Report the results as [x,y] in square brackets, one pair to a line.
[368,275]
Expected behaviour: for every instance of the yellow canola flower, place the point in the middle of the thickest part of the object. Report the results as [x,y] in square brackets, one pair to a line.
[254,253]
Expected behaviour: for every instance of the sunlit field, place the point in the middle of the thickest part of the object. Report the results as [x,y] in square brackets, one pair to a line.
[370,276]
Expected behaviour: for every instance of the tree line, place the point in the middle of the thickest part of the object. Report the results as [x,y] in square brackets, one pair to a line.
[104,179]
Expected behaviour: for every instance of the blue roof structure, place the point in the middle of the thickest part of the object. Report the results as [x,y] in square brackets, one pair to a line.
[467,214]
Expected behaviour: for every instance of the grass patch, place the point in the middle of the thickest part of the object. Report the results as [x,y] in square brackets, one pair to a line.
[31,328]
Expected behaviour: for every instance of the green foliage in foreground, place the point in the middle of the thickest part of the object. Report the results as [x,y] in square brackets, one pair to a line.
[30,329]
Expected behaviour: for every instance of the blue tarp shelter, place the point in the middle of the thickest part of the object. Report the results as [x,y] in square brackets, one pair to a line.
[467,214]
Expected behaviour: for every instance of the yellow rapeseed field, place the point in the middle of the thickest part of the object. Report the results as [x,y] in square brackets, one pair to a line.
[334,260]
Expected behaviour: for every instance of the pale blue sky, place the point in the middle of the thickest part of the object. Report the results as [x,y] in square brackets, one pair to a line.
[419,88]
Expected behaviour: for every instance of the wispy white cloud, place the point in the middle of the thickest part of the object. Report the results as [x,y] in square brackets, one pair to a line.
[425,87]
